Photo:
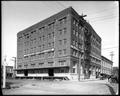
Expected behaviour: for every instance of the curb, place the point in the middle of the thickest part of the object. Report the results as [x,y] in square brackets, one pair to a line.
[111,89]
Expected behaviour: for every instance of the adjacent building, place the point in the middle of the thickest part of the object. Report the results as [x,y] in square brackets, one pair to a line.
[64,44]
[106,66]
[9,71]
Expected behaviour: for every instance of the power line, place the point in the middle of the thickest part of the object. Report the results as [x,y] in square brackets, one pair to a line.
[102,11]
[103,16]
[103,19]
[109,48]
[61,4]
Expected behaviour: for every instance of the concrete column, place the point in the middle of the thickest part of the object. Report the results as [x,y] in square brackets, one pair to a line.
[4,75]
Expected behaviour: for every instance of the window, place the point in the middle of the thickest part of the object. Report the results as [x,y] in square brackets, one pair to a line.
[40,38]
[51,25]
[33,65]
[49,44]
[52,44]
[74,32]
[43,46]
[62,70]
[41,64]
[64,30]
[41,29]
[20,37]
[65,41]
[39,47]
[60,32]
[19,66]
[49,35]
[73,70]
[52,53]
[62,62]
[25,65]
[63,20]
[60,42]
[74,42]
[74,22]
[50,63]
[53,34]
[49,54]
[60,52]
[80,27]
[33,31]
[64,51]
[43,37]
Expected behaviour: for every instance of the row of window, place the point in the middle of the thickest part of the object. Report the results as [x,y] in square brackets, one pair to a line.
[95,50]
[51,25]
[60,70]
[61,42]
[76,44]
[77,34]
[95,60]
[39,48]
[95,43]
[106,71]
[62,52]
[61,63]
[96,39]
[62,31]
[74,52]
[77,24]
[107,65]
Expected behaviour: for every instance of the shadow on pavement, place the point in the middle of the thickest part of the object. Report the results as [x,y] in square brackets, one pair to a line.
[111,89]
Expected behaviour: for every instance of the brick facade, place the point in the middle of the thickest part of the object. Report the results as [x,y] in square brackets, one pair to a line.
[54,46]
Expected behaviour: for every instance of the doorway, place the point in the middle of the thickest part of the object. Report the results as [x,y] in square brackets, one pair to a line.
[26,73]
[51,72]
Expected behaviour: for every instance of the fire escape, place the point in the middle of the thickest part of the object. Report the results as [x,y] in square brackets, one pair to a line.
[87,49]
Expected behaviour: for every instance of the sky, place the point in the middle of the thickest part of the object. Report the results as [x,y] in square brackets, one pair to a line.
[19,15]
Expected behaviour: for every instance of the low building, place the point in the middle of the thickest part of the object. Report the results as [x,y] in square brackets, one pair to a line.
[106,66]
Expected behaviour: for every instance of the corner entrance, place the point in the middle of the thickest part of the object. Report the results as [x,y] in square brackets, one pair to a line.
[26,73]
[51,72]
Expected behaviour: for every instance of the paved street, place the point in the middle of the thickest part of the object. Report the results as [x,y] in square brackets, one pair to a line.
[35,87]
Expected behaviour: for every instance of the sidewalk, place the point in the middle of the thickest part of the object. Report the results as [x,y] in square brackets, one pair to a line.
[84,87]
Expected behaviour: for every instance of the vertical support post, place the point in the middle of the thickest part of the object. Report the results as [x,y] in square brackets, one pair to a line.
[4,74]
[14,73]
[79,68]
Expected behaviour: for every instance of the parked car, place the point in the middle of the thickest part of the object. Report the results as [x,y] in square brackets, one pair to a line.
[113,79]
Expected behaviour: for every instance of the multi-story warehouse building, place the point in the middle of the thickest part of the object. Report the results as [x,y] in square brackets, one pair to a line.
[106,66]
[61,45]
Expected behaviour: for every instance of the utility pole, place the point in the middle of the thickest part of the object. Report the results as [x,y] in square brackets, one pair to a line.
[111,54]
[14,73]
[4,73]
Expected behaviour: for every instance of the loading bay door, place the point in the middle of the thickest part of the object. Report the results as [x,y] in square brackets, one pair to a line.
[51,72]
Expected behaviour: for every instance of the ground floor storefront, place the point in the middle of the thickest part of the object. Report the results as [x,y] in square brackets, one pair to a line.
[69,72]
